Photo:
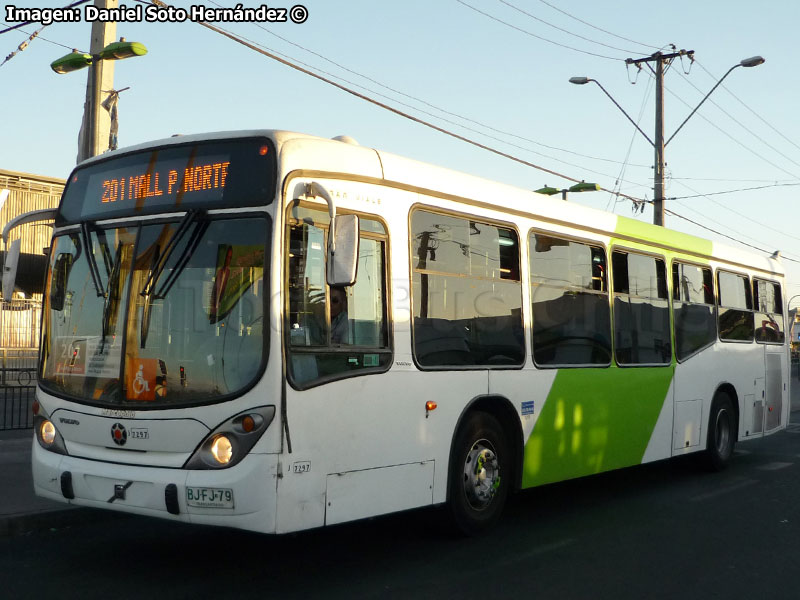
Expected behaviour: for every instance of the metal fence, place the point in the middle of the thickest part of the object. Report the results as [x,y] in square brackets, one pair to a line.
[19,350]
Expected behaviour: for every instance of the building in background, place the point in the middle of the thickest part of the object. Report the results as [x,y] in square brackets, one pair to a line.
[19,315]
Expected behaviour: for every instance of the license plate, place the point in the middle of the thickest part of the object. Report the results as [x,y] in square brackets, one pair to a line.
[209,497]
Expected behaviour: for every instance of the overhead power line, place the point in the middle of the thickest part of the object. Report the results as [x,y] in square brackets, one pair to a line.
[41,37]
[567,31]
[426,103]
[454,135]
[598,28]
[18,25]
[728,135]
[725,235]
[544,39]
[747,189]
[775,129]
[740,124]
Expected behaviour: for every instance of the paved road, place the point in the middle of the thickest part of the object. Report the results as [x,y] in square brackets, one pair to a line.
[667,530]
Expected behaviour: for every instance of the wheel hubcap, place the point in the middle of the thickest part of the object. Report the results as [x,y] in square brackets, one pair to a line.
[723,431]
[481,475]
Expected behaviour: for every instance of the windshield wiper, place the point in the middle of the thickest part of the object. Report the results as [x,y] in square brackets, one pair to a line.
[112,296]
[94,271]
[149,290]
[190,217]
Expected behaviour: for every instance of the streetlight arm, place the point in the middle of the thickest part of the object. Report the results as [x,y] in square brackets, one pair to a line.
[701,102]
[639,129]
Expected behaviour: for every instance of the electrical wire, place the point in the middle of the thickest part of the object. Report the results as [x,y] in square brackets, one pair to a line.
[22,46]
[567,31]
[41,37]
[454,135]
[737,213]
[630,145]
[526,32]
[740,124]
[598,28]
[775,129]
[738,241]
[23,24]
[747,189]
[352,92]
[465,127]
[721,130]
[422,101]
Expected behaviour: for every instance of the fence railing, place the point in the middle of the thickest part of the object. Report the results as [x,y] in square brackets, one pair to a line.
[19,351]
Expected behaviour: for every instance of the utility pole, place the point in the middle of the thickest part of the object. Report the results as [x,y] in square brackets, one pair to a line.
[658,171]
[96,121]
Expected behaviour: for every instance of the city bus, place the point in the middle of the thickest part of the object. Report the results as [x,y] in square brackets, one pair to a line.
[274,332]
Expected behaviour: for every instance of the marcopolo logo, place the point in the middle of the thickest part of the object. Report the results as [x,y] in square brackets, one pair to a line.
[118,434]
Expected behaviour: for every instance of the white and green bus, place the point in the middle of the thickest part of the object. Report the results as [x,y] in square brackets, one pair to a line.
[273,331]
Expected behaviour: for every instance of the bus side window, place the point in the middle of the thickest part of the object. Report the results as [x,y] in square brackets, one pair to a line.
[736,322]
[693,306]
[466,292]
[569,294]
[641,309]
[769,312]
[334,332]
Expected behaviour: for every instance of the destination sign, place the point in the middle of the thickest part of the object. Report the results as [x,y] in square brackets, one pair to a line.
[172,182]
[207,175]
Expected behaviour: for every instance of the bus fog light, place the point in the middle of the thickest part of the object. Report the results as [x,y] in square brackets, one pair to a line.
[47,432]
[222,450]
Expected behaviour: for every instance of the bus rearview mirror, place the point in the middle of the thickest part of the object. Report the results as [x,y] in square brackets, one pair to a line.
[58,287]
[343,251]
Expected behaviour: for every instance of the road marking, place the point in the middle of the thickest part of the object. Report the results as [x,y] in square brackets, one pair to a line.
[774,466]
[526,556]
[722,491]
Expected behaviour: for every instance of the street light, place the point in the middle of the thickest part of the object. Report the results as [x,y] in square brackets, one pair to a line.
[659,144]
[79,60]
[578,187]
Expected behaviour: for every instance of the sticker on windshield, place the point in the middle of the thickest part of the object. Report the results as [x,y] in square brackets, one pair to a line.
[71,356]
[140,378]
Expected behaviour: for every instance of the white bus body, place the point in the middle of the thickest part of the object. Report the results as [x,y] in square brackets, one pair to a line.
[443,343]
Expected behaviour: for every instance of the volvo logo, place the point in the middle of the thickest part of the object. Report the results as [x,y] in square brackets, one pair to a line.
[118,434]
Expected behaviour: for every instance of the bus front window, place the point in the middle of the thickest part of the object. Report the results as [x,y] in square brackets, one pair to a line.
[181,320]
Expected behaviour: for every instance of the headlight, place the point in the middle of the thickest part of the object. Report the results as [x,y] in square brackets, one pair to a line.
[222,449]
[47,432]
[47,435]
[230,442]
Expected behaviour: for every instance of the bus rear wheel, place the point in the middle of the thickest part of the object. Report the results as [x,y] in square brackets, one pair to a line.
[722,432]
[479,474]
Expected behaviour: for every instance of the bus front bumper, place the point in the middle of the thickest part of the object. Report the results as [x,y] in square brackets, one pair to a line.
[243,496]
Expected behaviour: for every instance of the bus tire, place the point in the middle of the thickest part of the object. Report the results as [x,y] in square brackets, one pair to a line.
[722,433]
[480,474]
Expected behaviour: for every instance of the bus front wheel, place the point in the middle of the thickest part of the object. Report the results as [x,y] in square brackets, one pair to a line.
[480,474]
[721,433]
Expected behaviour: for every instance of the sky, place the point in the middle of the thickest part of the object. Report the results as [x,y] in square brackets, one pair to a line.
[496,71]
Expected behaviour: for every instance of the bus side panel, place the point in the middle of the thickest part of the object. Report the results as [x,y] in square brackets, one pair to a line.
[700,376]
[349,436]
[596,420]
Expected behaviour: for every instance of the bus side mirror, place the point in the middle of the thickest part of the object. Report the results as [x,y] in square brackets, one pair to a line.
[343,251]
[10,269]
[58,286]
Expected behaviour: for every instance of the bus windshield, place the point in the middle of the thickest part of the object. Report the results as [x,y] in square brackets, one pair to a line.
[156,315]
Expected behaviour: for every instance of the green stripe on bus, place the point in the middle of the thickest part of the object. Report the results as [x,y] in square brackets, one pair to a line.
[661,236]
[595,420]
